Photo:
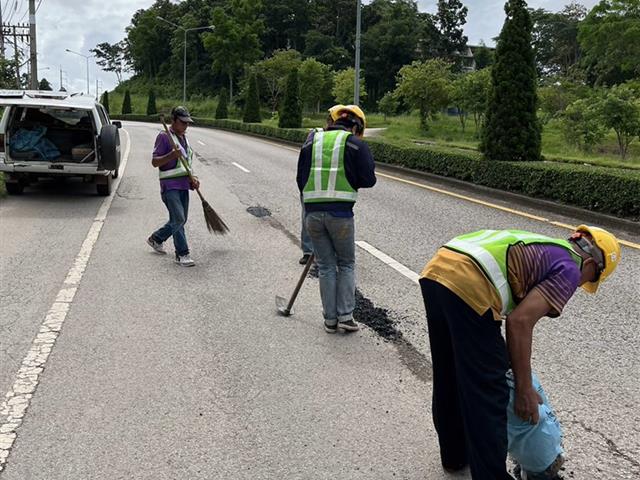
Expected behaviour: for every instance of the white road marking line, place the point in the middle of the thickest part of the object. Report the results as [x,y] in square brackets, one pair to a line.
[18,398]
[202,143]
[386,259]
[240,167]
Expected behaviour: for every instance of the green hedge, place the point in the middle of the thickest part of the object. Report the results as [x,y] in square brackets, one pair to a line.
[608,190]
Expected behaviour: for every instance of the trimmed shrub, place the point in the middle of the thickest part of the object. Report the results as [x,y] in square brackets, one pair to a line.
[222,111]
[151,104]
[126,103]
[252,103]
[609,190]
[105,100]
[291,113]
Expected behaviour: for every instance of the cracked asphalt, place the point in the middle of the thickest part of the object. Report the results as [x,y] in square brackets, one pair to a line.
[163,373]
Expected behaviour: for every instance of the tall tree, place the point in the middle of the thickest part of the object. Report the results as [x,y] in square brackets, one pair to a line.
[223,102]
[291,112]
[620,111]
[425,87]
[274,71]
[389,42]
[8,78]
[104,100]
[512,130]
[555,39]
[112,58]
[325,49]
[126,103]
[610,41]
[315,81]
[235,40]
[451,18]
[151,103]
[44,84]
[252,102]
[286,23]
[344,86]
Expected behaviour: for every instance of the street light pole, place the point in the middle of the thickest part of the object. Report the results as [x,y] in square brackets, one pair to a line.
[356,89]
[184,62]
[87,57]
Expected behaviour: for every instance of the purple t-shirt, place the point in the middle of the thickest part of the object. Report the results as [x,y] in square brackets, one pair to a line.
[163,147]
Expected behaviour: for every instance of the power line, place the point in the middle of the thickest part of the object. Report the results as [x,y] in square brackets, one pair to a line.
[38,7]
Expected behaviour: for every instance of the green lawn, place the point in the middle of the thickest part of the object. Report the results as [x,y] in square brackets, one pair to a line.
[446,130]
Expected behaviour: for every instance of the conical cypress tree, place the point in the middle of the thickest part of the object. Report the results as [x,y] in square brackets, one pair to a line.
[252,103]
[151,104]
[222,111]
[105,100]
[291,114]
[512,130]
[126,103]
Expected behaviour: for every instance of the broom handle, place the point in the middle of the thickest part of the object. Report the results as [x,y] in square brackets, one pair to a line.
[181,157]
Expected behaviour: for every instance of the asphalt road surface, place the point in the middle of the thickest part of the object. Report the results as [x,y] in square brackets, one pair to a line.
[119,364]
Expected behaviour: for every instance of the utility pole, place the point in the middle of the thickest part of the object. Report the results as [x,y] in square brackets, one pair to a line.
[32,44]
[1,32]
[356,89]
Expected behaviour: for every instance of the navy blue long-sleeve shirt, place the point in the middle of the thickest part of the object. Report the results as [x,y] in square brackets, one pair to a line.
[359,168]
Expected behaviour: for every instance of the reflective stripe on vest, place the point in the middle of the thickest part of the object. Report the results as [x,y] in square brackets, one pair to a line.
[327,179]
[489,249]
[179,170]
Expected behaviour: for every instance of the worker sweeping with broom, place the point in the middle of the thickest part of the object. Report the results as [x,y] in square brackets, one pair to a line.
[173,157]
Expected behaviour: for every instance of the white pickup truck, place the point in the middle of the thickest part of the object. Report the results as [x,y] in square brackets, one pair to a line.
[52,134]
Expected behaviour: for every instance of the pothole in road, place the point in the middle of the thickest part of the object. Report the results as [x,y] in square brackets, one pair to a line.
[378,319]
[259,211]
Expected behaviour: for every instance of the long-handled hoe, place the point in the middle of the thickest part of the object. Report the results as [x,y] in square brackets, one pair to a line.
[286,309]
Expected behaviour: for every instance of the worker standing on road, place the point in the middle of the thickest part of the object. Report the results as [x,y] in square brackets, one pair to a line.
[174,185]
[332,166]
[305,240]
[470,285]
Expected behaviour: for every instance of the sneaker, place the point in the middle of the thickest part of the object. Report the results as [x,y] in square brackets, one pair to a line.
[349,326]
[185,260]
[158,247]
[330,328]
[304,259]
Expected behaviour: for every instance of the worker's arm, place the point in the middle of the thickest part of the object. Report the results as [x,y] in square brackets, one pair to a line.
[520,325]
[161,160]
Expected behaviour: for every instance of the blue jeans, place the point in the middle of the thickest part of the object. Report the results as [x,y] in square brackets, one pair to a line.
[177,202]
[333,241]
[305,241]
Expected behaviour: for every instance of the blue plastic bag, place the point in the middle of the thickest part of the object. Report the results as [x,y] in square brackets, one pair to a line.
[534,447]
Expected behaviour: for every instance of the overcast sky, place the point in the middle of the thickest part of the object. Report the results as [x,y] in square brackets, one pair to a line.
[81,24]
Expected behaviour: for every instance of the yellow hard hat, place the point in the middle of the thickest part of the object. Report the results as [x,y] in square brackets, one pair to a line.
[333,111]
[610,248]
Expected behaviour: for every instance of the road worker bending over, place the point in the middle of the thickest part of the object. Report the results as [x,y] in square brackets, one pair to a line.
[473,283]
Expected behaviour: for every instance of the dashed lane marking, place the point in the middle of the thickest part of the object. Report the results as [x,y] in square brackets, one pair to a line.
[18,398]
[240,167]
[387,260]
[202,143]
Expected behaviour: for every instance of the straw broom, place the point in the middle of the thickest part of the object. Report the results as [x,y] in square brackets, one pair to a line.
[214,222]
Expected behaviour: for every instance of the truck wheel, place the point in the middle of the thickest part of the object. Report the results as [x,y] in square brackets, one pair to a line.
[14,188]
[103,185]
[109,157]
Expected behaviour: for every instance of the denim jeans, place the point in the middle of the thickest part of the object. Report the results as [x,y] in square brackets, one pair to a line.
[305,240]
[333,241]
[177,202]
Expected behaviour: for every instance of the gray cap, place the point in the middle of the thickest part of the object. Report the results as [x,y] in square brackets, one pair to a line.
[181,113]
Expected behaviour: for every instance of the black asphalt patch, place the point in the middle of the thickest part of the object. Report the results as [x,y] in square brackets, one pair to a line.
[259,211]
[378,319]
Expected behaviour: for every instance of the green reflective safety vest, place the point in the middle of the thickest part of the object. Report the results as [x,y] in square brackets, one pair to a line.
[327,179]
[179,170]
[489,250]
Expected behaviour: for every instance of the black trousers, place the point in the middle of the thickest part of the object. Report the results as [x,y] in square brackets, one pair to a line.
[470,393]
